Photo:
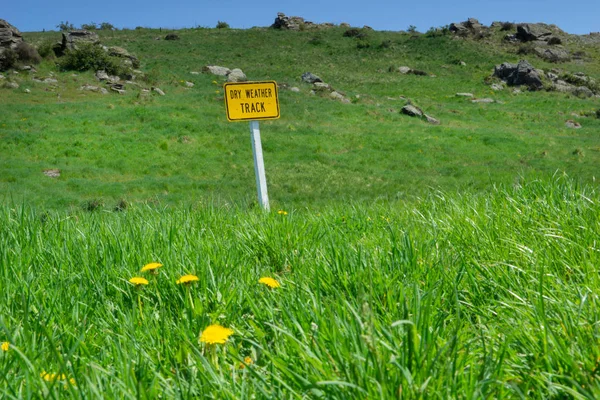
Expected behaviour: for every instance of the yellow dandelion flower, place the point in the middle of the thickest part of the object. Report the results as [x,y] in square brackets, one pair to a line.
[282,212]
[270,282]
[215,334]
[152,267]
[187,279]
[215,82]
[247,361]
[5,346]
[137,281]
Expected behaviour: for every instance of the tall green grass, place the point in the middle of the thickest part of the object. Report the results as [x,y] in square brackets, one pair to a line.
[453,296]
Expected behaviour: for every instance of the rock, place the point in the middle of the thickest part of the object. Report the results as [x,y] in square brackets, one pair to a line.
[464,95]
[50,80]
[297,23]
[52,173]
[172,36]
[470,26]
[157,90]
[431,120]
[462,63]
[11,85]
[572,124]
[27,91]
[93,88]
[531,32]
[562,86]
[344,25]
[321,86]
[295,89]
[189,84]
[117,87]
[2,77]
[552,55]
[412,111]
[516,91]
[522,73]
[10,37]
[125,55]
[28,68]
[71,39]
[485,101]
[236,75]
[338,96]
[496,86]
[583,91]
[216,70]
[102,75]
[309,77]
[404,70]
[195,73]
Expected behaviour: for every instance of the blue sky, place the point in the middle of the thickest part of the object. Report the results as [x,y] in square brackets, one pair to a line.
[575,16]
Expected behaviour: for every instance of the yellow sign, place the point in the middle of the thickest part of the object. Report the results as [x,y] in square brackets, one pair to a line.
[251,100]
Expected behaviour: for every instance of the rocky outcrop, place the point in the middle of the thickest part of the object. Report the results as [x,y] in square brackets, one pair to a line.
[10,37]
[470,26]
[296,23]
[72,39]
[128,59]
[532,32]
[522,73]
[309,77]
[554,55]
[414,111]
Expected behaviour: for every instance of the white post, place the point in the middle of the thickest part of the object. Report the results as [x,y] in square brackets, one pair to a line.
[259,166]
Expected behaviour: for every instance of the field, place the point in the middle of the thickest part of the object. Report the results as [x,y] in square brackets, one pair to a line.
[408,260]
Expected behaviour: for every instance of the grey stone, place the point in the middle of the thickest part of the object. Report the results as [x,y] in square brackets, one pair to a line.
[71,39]
[236,75]
[531,32]
[189,84]
[552,55]
[583,91]
[309,77]
[404,70]
[484,100]
[412,111]
[431,120]
[464,95]
[572,124]
[157,90]
[101,75]
[117,87]
[295,89]
[338,96]
[50,80]
[195,73]
[321,86]
[462,63]
[27,91]
[522,73]
[11,85]
[120,52]
[2,76]
[216,70]
[52,173]
[10,37]
[497,86]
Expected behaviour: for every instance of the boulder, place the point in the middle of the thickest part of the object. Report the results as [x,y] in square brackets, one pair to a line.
[338,96]
[236,75]
[412,111]
[522,73]
[11,85]
[531,32]
[52,173]
[10,37]
[216,70]
[484,101]
[469,26]
[553,55]
[583,91]
[309,77]
[470,95]
[71,39]
[572,124]
[157,90]
[120,52]
[431,120]
[189,84]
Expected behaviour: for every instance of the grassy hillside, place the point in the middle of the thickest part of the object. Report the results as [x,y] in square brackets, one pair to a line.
[467,296]
[180,149]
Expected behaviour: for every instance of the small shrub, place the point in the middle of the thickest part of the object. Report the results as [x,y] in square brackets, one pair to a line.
[92,205]
[107,26]
[385,44]
[27,54]
[65,26]
[437,32]
[507,26]
[172,36]
[89,27]
[89,56]
[412,29]
[222,25]
[8,59]
[362,44]
[525,49]
[352,32]
[46,49]
[121,205]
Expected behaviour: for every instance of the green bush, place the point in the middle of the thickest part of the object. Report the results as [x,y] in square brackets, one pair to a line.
[46,49]
[89,27]
[107,26]
[222,25]
[65,26]
[89,56]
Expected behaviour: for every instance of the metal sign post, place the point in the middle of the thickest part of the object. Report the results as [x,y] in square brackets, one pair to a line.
[259,166]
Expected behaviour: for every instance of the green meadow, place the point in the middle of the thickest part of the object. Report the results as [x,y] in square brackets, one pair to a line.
[413,261]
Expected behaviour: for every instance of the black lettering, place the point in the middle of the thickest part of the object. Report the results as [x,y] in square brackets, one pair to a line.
[262,107]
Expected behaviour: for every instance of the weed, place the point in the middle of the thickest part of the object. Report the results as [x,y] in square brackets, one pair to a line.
[222,25]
